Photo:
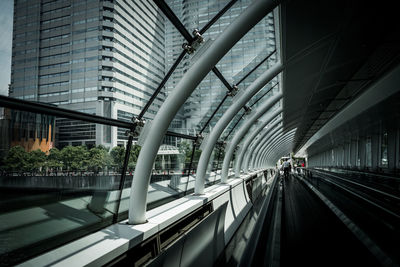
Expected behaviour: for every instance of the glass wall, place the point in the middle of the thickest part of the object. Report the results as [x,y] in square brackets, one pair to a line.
[53,192]
[384,149]
[68,172]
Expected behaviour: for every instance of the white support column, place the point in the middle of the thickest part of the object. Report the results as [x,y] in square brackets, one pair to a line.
[285,140]
[391,148]
[280,139]
[251,137]
[274,148]
[224,42]
[244,129]
[376,151]
[270,161]
[262,145]
[262,152]
[362,152]
[212,139]
[272,128]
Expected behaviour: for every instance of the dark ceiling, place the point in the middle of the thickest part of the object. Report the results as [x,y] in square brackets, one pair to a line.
[332,51]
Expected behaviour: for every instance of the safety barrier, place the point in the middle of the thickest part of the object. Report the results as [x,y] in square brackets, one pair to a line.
[196,227]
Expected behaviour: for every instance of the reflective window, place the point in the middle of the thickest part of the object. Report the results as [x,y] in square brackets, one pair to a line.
[64,176]
[384,149]
[368,151]
[55,184]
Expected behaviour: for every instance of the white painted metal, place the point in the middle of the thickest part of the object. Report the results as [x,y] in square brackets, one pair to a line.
[251,137]
[271,161]
[262,145]
[264,107]
[254,145]
[250,91]
[271,146]
[274,146]
[280,150]
[225,41]
[288,137]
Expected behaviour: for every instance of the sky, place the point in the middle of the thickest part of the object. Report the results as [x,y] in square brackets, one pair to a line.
[6,22]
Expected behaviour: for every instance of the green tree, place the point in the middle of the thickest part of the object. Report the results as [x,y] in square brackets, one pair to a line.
[16,160]
[107,159]
[117,154]
[107,149]
[54,160]
[97,159]
[75,158]
[185,150]
[133,157]
[35,161]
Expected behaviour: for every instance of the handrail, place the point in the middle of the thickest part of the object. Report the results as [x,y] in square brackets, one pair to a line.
[254,239]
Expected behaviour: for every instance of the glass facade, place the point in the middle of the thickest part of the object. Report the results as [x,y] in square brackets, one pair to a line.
[88,79]
[99,72]
[102,56]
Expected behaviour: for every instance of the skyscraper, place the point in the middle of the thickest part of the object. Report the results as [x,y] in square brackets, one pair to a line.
[246,54]
[99,57]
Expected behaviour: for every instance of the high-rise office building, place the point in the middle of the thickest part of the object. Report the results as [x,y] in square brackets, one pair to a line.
[246,54]
[99,57]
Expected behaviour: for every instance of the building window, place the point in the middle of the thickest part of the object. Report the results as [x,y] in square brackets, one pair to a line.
[384,150]
[368,151]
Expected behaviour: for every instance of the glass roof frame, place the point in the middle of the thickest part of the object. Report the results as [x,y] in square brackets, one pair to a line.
[190,39]
[244,114]
[135,120]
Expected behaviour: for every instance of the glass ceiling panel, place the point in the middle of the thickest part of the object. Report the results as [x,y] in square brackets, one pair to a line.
[235,123]
[265,93]
[173,51]
[196,14]
[199,106]
[271,88]
[246,54]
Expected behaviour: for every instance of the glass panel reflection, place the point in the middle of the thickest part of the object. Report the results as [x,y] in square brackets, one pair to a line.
[234,124]
[213,174]
[54,186]
[197,109]
[249,51]
[266,92]
[171,176]
[196,14]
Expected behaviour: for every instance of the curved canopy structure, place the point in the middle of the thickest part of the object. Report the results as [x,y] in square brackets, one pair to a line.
[227,87]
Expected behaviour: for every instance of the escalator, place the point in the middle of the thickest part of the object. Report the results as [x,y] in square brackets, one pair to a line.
[313,236]
[307,227]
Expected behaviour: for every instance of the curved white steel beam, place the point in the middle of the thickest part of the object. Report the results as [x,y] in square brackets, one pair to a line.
[284,149]
[271,137]
[251,137]
[271,146]
[212,139]
[274,153]
[286,138]
[261,139]
[264,107]
[266,160]
[221,45]
[260,148]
